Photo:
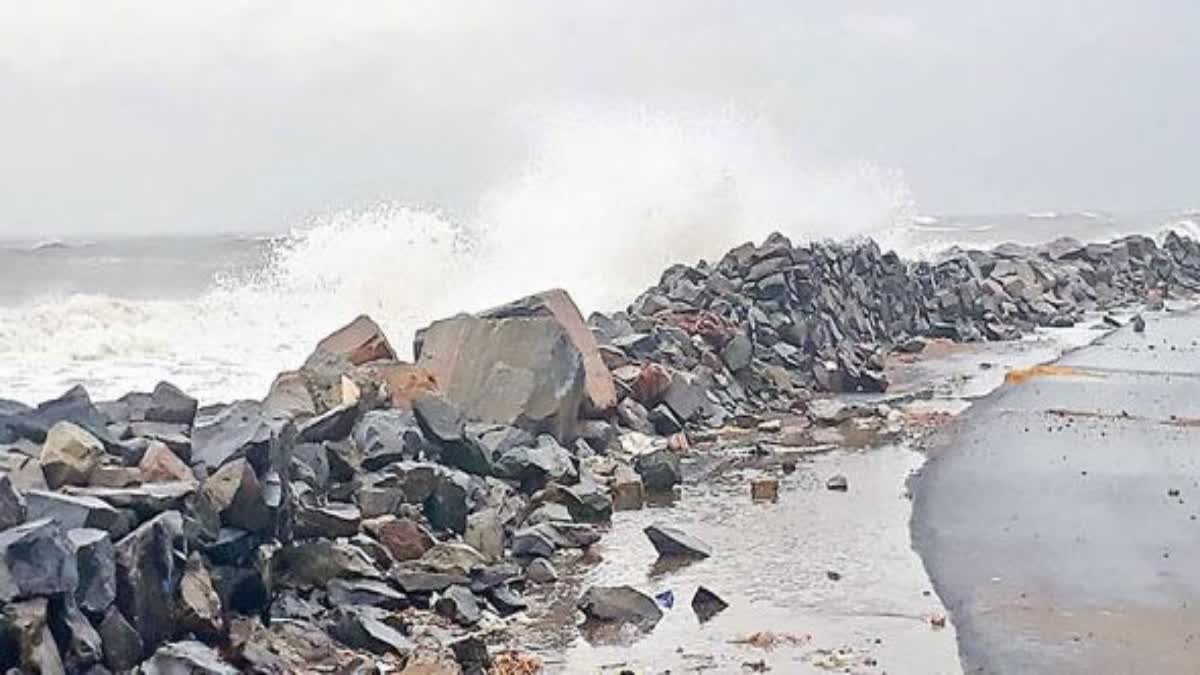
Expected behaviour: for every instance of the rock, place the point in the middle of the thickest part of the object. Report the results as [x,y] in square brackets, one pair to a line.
[242,429]
[199,609]
[160,464]
[74,406]
[533,542]
[586,501]
[522,372]
[485,533]
[685,398]
[764,490]
[115,476]
[25,472]
[635,416]
[440,420]
[706,604]
[358,343]
[77,641]
[838,483]
[69,455]
[738,352]
[26,632]
[316,562]
[472,655]
[403,538]
[770,426]
[541,571]
[672,542]
[620,604]
[536,466]
[507,601]
[12,504]
[345,592]
[96,565]
[146,500]
[36,559]
[169,404]
[660,470]
[399,383]
[190,657]
[627,491]
[330,521]
[1139,324]
[447,507]
[420,582]
[367,628]
[389,436]
[458,604]
[122,644]
[289,397]
[598,434]
[664,421]
[234,493]
[147,580]
[174,436]
[550,512]
[333,425]
[451,557]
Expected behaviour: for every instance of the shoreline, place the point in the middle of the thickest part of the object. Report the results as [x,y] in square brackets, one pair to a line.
[409,510]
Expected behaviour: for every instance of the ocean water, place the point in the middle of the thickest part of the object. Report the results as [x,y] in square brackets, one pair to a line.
[599,208]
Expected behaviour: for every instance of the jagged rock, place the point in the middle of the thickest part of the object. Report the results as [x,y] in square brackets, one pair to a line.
[685,398]
[243,590]
[599,392]
[398,383]
[451,557]
[147,580]
[74,406]
[660,470]
[421,582]
[69,455]
[121,643]
[706,604]
[598,434]
[388,436]
[1138,323]
[36,559]
[231,546]
[193,658]
[523,372]
[664,421]
[289,604]
[368,628]
[538,465]
[344,592]
[672,542]
[506,600]
[235,494]
[174,436]
[169,404]
[586,500]
[78,642]
[199,608]
[25,639]
[738,352]
[533,542]
[330,521]
[620,604]
[24,471]
[541,571]
[458,604]
[404,539]
[146,500]
[316,562]
[332,425]
[837,483]
[443,422]
[550,512]
[472,655]
[355,344]
[450,502]
[242,429]
[289,397]
[97,569]
[109,476]
[314,460]
[485,533]
[12,504]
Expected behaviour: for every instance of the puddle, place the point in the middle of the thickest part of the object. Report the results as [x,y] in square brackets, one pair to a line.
[771,563]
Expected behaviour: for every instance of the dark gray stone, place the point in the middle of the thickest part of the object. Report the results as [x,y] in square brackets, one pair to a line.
[12,504]
[97,570]
[36,559]
[421,582]
[168,404]
[343,592]
[635,416]
[620,604]
[664,421]
[441,420]
[330,521]
[368,628]
[121,643]
[78,642]
[26,643]
[660,470]
[333,425]
[672,542]
[389,436]
[536,466]
[147,580]
[707,604]
[459,604]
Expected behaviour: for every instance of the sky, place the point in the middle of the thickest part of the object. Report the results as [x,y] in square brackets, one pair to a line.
[183,117]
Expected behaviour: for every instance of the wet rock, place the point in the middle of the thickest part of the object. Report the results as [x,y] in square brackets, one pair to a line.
[485,533]
[147,580]
[12,504]
[536,466]
[310,464]
[550,512]
[523,372]
[199,609]
[738,352]
[1139,324]
[404,539]
[316,562]
[685,398]
[370,592]
[121,643]
[330,521]
[837,483]
[174,436]
[459,604]
[452,557]
[74,406]
[672,542]
[660,470]
[422,583]
[389,436]
[36,559]
[25,635]
[242,429]
[97,569]
[235,493]
[193,658]
[367,628]
[707,604]
[170,405]
[620,604]
[586,501]
[69,455]
[541,571]
[146,500]
[161,464]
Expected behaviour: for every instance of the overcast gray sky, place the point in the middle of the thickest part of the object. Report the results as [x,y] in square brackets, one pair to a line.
[163,116]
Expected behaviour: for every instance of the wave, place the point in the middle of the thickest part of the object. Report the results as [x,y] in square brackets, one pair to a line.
[1043,215]
[48,245]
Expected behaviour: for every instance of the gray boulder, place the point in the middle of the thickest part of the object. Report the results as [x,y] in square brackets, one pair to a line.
[620,604]
[190,657]
[660,470]
[169,404]
[368,628]
[12,504]
[97,569]
[388,436]
[122,644]
[538,465]
[672,542]
[36,559]
[459,604]
[147,580]
[369,592]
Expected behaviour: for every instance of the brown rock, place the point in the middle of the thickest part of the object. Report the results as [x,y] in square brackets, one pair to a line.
[764,489]
[199,608]
[651,385]
[399,383]
[628,494]
[161,465]
[403,538]
[361,341]
[289,397]
[115,476]
[25,624]
[234,493]
[69,455]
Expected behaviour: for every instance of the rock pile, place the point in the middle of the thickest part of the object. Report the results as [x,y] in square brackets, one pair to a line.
[768,324]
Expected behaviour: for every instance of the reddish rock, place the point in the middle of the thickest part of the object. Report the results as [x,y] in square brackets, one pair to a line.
[651,384]
[361,341]
[403,538]
[161,465]
[400,383]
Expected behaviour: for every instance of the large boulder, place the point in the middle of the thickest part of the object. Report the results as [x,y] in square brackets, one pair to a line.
[97,569]
[524,372]
[388,436]
[169,404]
[69,455]
[600,394]
[147,580]
[242,429]
[235,494]
[660,470]
[36,559]
[620,604]
[71,512]
[355,344]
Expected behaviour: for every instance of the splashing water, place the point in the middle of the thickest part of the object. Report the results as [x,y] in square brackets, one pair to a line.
[603,204]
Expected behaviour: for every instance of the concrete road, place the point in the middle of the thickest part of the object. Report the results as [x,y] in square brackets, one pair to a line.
[1060,519]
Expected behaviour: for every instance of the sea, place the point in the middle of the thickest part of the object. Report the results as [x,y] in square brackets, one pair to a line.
[221,315]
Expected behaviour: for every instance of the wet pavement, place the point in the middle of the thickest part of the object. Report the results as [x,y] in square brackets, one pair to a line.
[1059,520]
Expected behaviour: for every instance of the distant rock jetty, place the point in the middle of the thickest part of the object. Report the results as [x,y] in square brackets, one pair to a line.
[373,511]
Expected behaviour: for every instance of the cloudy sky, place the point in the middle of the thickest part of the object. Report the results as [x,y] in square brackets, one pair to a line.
[170,116]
